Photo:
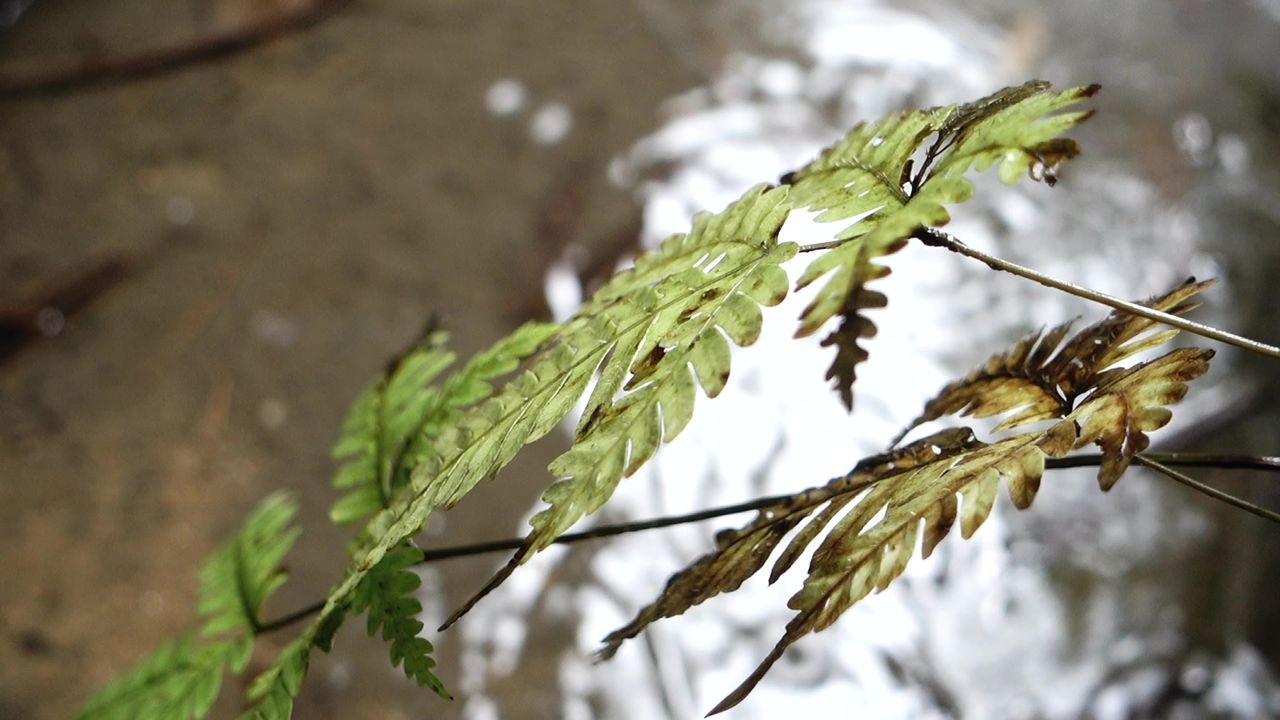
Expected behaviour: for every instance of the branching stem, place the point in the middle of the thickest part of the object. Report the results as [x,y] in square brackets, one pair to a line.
[1156,461]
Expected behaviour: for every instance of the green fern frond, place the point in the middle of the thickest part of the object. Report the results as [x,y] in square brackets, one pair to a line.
[668,321]
[181,679]
[715,282]
[870,177]
[392,426]
[386,594]
[242,574]
[177,681]
[379,425]
[693,311]
[273,691]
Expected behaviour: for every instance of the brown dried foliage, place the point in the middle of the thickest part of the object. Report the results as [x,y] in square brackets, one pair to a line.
[920,490]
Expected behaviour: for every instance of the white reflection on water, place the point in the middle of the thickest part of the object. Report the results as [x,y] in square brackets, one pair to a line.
[1061,612]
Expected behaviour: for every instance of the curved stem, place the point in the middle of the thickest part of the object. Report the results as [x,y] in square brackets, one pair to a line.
[1212,492]
[937,238]
[1152,460]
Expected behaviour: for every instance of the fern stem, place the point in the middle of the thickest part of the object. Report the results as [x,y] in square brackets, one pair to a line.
[1212,492]
[937,238]
[1215,460]
[1182,459]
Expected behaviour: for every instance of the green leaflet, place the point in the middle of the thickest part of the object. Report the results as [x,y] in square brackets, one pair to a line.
[665,325]
[176,681]
[273,691]
[392,426]
[386,594]
[870,177]
[181,679]
[692,311]
[377,431]
[239,577]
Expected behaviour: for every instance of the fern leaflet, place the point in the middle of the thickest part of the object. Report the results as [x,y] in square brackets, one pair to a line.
[181,679]
[176,681]
[391,427]
[387,595]
[870,177]
[699,289]
[1039,383]
[238,578]
[273,691]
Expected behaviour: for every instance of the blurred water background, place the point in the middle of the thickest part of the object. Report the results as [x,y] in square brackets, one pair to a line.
[286,218]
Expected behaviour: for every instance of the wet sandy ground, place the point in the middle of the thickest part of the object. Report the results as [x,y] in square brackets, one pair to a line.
[268,229]
[252,238]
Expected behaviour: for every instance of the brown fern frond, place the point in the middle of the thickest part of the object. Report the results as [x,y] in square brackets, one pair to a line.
[741,553]
[1038,380]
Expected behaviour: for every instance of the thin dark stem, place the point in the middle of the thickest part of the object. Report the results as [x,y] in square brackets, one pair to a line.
[1212,492]
[293,617]
[1216,460]
[604,530]
[1179,459]
[937,238]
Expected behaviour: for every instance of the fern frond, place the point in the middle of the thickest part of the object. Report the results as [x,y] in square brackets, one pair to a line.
[741,553]
[391,427]
[868,177]
[381,421]
[669,319]
[874,516]
[697,308]
[1038,380]
[712,279]
[855,559]
[176,681]
[181,679]
[238,578]
[1128,403]
[273,691]
[386,594]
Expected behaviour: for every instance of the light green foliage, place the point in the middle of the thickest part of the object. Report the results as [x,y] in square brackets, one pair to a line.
[239,577]
[273,691]
[692,307]
[377,432]
[676,303]
[181,680]
[386,594]
[871,176]
[399,419]
[176,681]
[391,428]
